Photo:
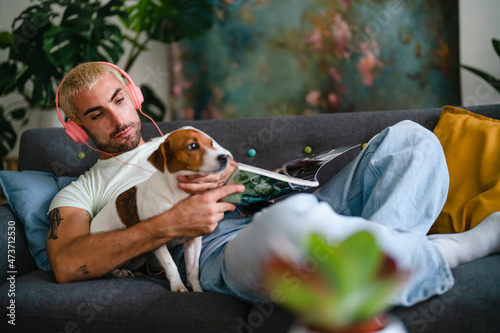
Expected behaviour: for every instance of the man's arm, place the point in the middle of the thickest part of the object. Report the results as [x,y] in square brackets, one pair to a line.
[75,255]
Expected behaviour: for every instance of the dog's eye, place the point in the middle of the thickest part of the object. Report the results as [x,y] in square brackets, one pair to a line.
[193,146]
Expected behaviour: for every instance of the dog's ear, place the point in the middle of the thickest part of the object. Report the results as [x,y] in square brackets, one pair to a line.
[158,157]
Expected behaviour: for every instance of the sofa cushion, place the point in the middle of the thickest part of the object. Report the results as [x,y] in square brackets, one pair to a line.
[471,143]
[139,304]
[29,194]
[10,226]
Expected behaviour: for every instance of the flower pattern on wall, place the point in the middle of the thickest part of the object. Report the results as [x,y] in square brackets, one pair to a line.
[318,56]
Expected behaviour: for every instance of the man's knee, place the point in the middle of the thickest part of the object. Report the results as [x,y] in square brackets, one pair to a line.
[410,136]
[413,130]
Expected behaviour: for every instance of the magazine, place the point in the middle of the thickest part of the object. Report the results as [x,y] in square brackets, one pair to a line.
[294,176]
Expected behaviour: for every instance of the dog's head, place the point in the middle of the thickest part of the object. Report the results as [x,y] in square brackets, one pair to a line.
[188,151]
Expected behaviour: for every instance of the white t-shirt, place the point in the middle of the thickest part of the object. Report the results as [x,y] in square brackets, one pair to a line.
[108,178]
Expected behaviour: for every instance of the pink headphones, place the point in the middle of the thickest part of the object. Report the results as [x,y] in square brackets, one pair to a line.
[75,131]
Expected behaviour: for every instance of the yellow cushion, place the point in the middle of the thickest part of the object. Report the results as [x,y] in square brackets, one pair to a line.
[471,144]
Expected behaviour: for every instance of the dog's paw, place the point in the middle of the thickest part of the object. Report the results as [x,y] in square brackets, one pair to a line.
[178,287]
[195,286]
[198,289]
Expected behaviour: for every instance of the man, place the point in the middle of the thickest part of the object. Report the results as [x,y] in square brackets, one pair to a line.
[395,188]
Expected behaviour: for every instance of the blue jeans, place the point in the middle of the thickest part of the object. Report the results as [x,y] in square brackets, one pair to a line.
[395,189]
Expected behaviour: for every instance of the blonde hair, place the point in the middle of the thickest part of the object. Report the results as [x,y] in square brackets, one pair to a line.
[83,76]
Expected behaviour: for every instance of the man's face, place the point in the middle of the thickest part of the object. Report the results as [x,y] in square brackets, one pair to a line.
[108,114]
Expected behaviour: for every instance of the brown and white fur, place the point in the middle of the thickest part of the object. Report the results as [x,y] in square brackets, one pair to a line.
[184,152]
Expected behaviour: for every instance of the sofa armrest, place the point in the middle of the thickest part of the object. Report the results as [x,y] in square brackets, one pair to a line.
[13,246]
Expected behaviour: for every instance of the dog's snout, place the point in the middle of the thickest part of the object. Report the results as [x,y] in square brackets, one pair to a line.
[222,159]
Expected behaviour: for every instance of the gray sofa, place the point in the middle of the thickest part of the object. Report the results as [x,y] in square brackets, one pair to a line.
[145,304]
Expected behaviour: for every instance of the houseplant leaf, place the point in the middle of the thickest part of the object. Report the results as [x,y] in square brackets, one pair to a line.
[8,77]
[350,264]
[485,76]
[28,29]
[170,21]
[8,135]
[495,83]
[152,105]
[19,113]
[6,39]
[27,49]
[85,35]
[496,45]
[306,294]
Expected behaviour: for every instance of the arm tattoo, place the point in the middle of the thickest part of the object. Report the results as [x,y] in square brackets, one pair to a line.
[54,219]
[84,269]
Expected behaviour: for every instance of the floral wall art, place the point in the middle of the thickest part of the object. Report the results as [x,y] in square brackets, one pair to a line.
[284,57]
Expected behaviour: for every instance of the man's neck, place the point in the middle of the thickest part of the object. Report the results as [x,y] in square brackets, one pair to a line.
[106,155]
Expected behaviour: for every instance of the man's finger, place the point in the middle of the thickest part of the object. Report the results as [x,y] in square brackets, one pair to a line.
[226,190]
[195,187]
[225,207]
[199,178]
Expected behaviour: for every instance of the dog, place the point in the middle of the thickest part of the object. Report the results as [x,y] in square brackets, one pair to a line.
[184,152]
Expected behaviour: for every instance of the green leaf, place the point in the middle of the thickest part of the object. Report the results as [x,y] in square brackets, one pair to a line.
[376,298]
[152,105]
[364,251]
[8,135]
[170,21]
[85,35]
[27,51]
[485,76]
[28,30]
[19,113]
[496,45]
[350,265]
[8,77]
[330,264]
[139,16]
[6,39]
[302,295]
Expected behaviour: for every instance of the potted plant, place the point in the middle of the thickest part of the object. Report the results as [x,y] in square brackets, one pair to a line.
[336,288]
[51,36]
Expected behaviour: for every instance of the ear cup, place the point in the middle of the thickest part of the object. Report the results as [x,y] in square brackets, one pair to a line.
[76,132]
[136,95]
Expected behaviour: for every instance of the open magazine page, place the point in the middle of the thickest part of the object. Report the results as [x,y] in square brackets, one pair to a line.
[295,176]
[308,167]
[263,184]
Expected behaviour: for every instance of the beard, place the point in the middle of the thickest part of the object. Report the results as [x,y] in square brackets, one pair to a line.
[112,147]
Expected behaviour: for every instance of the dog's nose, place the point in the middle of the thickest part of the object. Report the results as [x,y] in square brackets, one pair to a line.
[222,159]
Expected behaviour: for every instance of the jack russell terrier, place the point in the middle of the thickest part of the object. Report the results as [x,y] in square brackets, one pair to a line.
[184,152]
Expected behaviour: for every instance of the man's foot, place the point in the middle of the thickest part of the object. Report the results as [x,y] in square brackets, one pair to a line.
[473,244]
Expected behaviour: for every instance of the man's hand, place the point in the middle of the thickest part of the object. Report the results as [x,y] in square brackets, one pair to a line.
[200,214]
[197,184]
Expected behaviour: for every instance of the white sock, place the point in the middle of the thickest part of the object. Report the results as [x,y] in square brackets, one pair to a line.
[473,244]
